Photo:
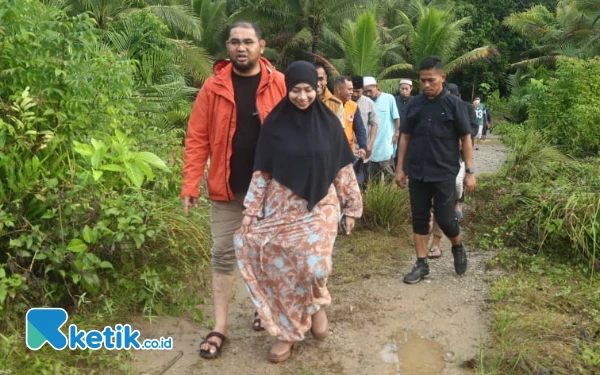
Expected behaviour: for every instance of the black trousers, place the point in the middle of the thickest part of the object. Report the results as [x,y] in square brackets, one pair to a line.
[442,195]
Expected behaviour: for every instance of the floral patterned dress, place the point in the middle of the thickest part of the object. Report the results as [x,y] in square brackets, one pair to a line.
[285,257]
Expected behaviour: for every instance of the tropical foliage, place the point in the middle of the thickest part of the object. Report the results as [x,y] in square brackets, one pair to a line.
[82,199]
[96,94]
[573,30]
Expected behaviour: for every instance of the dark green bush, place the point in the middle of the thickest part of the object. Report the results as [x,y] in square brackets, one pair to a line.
[86,210]
[566,107]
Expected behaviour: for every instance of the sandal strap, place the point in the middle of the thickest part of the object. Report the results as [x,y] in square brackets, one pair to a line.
[211,343]
[216,334]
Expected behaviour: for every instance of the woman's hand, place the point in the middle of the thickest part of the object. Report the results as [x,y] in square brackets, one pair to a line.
[249,220]
[350,222]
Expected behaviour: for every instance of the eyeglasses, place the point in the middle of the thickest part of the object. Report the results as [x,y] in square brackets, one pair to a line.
[246,42]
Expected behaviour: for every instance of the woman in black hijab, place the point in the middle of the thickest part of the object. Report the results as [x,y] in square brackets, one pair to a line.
[303,175]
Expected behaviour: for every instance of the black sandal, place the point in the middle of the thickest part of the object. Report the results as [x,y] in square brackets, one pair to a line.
[206,354]
[256,324]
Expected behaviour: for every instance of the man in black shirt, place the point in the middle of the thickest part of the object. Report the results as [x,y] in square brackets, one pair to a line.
[246,133]
[429,156]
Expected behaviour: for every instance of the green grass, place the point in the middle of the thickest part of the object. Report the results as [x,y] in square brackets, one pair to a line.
[367,253]
[546,316]
[546,306]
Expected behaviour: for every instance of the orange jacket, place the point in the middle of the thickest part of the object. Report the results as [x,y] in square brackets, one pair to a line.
[349,113]
[212,126]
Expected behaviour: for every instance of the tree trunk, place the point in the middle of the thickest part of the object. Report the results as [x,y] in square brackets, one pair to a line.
[315,41]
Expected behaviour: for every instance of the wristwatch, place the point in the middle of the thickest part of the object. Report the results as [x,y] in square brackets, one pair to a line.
[470,170]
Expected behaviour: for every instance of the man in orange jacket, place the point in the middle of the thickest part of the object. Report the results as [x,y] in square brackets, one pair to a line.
[224,127]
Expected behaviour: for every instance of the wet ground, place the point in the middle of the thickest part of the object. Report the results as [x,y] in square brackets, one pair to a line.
[379,325]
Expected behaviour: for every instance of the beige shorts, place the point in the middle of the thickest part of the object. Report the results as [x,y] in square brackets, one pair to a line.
[225,220]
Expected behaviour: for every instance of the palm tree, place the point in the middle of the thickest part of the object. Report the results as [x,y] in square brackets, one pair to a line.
[573,31]
[433,30]
[361,46]
[213,21]
[176,14]
[424,30]
[299,22]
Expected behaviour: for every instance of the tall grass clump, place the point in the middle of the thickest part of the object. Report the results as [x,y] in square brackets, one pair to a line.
[385,205]
[545,201]
[532,158]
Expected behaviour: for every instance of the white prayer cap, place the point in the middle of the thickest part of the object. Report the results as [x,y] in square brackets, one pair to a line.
[369,81]
[406,81]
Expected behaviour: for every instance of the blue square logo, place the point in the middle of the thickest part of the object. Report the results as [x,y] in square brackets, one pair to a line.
[43,326]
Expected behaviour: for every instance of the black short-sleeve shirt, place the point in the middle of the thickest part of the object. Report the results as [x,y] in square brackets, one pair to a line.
[435,126]
[246,133]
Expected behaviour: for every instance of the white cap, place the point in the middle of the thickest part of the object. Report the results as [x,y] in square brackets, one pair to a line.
[369,81]
[406,81]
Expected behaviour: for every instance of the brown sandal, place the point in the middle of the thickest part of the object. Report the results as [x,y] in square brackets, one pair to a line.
[434,253]
[282,357]
[206,354]
[256,324]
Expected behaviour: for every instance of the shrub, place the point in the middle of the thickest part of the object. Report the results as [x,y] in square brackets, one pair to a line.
[544,201]
[86,210]
[566,107]
[385,205]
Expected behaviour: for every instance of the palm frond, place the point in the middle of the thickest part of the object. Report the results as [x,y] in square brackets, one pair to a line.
[362,45]
[277,13]
[533,22]
[535,62]
[194,59]
[397,68]
[301,38]
[103,11]
[471,57]
[180,19]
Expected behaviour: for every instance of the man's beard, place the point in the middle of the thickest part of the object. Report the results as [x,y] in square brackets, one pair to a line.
[244,67]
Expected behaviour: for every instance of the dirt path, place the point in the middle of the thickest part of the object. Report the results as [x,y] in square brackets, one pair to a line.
[379,324]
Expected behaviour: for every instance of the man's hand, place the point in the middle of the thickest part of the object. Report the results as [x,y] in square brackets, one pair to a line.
[350,223]
[362,154]
[395,138]
[370,149]
[401,178]
[189,202]
[470,182]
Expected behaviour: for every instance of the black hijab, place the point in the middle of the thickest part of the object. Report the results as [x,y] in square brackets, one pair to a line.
[303,149]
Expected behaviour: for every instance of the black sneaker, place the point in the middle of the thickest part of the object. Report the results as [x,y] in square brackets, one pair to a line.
[460,258]
[419,272]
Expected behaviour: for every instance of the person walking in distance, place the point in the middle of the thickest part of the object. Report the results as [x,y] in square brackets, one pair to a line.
[224,126]
[481,120]
[402,99]
[353,125]
[382,158]
[428,161]
[334,104]
[367,111]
